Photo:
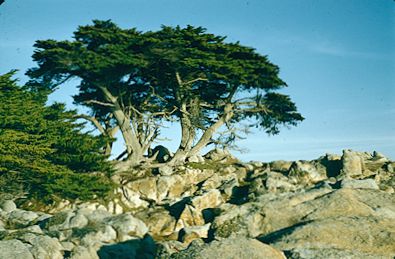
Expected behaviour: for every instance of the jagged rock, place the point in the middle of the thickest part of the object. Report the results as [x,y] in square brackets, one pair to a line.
[127,226]
[196,159]
[271,213]
[359,184]
[313,209]
[34,229]
[228,188]
[43,247]
[220,156]
[278,182]
[210,199]
[167,248]
[280,166]
[353,163]
[239,248]
[14,249]
[188,234]
[170,187]
[60,221]
[131,199]
[7,205]
[94,234]
[359,235]
[21,218]
[191,217]
[159,222]
[81,252]
[305,172]
[145,187]
[330,253]
[165,170]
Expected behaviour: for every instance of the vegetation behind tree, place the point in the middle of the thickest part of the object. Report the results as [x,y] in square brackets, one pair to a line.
[44,154]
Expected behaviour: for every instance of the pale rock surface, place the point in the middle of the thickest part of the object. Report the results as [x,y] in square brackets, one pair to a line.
[14,249]
[359,184]
[353,163]
[159,222]
[280,166]
[43,247]
[127,226]
[305,172]
[239,248]
[194,232]
[7,205]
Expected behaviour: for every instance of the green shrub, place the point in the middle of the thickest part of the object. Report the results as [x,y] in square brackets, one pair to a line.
[44,153]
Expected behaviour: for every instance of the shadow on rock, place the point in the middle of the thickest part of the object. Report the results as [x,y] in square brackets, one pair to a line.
[132,249]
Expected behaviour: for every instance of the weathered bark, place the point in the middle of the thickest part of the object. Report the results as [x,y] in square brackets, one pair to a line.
[208,134]
[133,147]
[187,137]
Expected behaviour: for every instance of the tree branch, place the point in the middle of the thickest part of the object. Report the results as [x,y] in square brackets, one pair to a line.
[195,80]
[93,120]
[100,103]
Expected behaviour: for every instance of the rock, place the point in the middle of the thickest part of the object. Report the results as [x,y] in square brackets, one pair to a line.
[228,188]
[92,235]
[280,166]
[188,234]
[220,155]
[7,205]
[159,222]
[376,237]
[127,226]
[240,248]
[278,182]
[359,184]
[170,187]
[43,247]
[353,163]
[191,217]
[145,187]
[14,249]
[136,248]
[81,252]
[165,249]
[131,199]
[305,172]
[34,229]
[165,170]
[325,253]
[210,199]
[196,159]
[272,212]
[21,218]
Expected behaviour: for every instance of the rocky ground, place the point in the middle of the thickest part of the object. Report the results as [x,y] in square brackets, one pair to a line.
[216,207]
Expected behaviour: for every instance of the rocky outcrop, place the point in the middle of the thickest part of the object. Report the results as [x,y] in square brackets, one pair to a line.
[331,207]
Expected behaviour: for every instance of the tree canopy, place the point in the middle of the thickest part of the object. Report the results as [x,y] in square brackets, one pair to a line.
[44,155]
[135,80]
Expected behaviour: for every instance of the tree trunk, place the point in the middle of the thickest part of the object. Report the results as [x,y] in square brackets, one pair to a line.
[133,147]
[187,136]
[208,134]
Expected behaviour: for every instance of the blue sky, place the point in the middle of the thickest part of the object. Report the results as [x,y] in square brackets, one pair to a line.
[336,56]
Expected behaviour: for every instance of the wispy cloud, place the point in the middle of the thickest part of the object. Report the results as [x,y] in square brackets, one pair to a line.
[326,47]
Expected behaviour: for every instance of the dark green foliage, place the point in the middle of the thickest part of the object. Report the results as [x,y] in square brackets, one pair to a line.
[186,74]
[43,152]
